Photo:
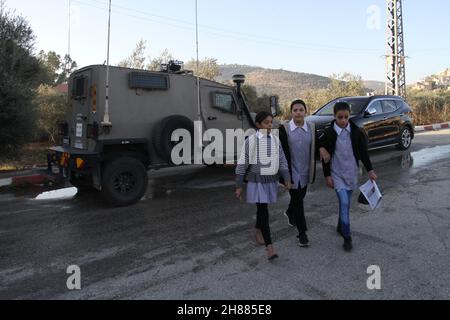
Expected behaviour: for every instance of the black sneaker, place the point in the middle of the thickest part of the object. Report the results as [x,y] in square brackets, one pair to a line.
[303,240]
[291,221]
[348,244]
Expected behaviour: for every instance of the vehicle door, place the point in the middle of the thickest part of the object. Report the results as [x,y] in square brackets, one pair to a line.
[374,122]
[80,102]
[392,119]
[220,112]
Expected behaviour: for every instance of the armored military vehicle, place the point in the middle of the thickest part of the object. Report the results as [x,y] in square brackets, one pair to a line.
[109,142]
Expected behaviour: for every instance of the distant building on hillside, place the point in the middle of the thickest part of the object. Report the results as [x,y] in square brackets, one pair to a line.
[440,80]
[425,85]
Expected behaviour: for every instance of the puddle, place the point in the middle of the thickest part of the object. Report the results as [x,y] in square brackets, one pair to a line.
[61,194]
[426,156]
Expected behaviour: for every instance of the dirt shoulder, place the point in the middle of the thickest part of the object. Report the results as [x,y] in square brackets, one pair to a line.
[30,156]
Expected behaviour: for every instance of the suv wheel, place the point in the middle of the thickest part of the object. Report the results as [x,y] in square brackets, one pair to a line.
[124,181]
[405,139]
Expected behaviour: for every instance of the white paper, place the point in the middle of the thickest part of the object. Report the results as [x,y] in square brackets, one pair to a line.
[372,193]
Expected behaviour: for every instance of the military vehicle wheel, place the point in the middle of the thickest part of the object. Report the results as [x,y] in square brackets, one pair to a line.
[162,135]
[124,181]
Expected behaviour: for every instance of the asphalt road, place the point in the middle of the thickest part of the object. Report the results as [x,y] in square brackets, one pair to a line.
[189,238]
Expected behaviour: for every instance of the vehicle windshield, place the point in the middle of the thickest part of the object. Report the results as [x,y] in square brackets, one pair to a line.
[357,105]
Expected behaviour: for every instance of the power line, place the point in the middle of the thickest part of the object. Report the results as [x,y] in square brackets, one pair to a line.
[234,35]
[234,32]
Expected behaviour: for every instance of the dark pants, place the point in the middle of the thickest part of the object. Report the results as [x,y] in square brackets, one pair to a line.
[296,208]
[262,222]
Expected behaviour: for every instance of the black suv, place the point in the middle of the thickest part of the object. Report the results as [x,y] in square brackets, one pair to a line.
[384,119]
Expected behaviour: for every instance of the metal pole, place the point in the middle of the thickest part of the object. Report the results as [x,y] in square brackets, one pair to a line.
[106,122]
[386,81]
[198,62]
[396,56]
[68,37]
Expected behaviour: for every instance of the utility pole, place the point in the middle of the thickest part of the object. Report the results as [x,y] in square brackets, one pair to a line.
[106,122]
[199,112]
[68,37]
[395,51]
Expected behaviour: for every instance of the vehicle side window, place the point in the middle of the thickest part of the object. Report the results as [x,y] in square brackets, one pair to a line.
[389,106]
[148,81]
[224,102]
[377,106]
[328,110]
[402,104]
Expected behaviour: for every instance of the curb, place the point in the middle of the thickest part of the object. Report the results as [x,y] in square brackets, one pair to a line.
[433,127]
[34,179]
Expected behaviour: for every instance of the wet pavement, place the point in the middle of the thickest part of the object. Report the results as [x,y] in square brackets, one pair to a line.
[189,238]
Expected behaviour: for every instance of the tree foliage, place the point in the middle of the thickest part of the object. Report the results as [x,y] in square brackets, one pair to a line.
[55,70]
[156,63]
[137,58]
[52,108]
[255,102]
[341,85]
[19,76]
[207,68]
[429,107]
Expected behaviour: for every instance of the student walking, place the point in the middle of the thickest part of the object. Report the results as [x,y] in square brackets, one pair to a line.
[347,145]
[262,161]
[299,141]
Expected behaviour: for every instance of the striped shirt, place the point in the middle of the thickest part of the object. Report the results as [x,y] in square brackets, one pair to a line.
[258,163]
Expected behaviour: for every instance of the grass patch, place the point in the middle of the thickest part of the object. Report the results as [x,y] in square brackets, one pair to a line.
[30,156]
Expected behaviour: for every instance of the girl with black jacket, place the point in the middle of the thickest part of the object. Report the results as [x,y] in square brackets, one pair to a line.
[299,141]
[347,145]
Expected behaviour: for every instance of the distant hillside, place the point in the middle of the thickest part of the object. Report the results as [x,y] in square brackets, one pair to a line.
[375,86]
[287,84]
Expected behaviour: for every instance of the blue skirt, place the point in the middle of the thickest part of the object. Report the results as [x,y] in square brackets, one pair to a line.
[262,192]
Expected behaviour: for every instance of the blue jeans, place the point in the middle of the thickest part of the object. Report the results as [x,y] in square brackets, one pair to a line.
[345,200]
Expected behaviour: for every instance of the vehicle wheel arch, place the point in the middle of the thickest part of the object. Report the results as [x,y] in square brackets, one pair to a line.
[137,150]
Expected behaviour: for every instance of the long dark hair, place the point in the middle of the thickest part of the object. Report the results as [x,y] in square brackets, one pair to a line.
[261,116]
